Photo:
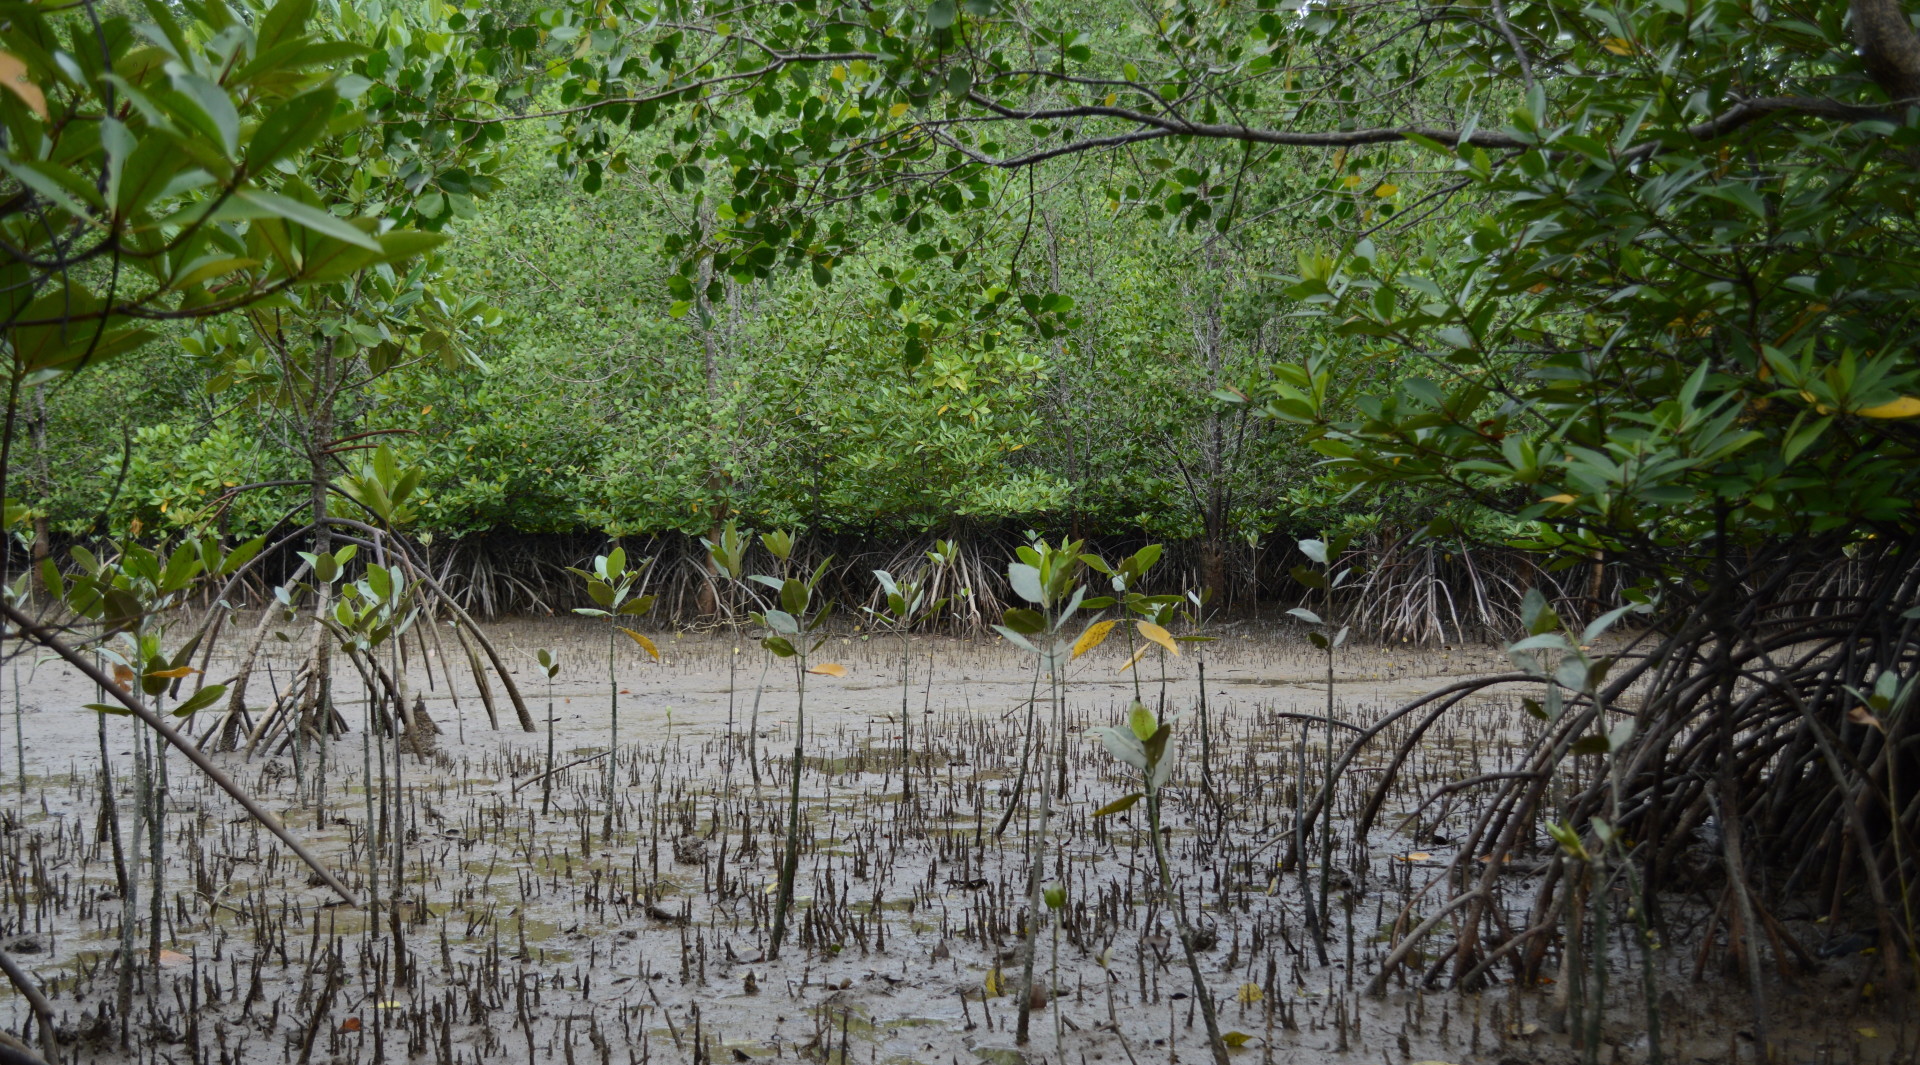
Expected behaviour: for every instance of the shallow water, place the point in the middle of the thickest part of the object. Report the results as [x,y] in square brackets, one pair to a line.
[627,924]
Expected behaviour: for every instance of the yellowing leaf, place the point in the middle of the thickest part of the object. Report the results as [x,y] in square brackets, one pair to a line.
[1904,407]
[174,674]
[645,644]
[1095,635]
[1617,45]
[1119,805]
[838,73]
[1131,662]
[1249,994]
[1235,1039]
[828,669]
[1351,181]
[1561,498]
[896,110]
[1158,635]
[13,74]
[1386,190]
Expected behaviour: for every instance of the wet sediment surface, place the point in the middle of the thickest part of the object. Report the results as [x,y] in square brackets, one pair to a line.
[619,910]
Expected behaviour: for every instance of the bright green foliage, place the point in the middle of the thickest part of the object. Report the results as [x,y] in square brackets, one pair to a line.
[160,170]
[1651,334]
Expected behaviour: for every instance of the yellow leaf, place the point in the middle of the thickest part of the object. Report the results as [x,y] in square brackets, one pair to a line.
[993,982]
[645,644]
[1867,1033]
[174,674]
[1386,190]
[1417,856]
[828,669]
[1561,498]
[1352,181]
[1249,994]
[13,73]
[1158,635]
[1235,1039]
[897,110]
[1904,407]
[1131,662]
[1617,45]
[1095,635]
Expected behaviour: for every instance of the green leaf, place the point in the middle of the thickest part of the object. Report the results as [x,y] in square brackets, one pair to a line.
[290,128]
[1024,621]
[308,217]
[1141,721]
[1588,745]
[200,700]
[940,14]
[1026,583]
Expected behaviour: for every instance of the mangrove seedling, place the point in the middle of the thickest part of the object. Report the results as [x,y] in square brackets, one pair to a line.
[610,585]
[1142,744]
[550,667]
[1048,577]
[907,605]
[792,627]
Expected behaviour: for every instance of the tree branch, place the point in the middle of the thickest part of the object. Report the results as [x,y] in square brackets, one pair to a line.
[1888,46]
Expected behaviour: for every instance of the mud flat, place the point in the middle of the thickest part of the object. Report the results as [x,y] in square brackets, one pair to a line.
[618,911]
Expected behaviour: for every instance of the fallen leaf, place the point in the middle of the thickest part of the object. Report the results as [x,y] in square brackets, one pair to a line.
[828,669]
[992,983]
[173,959]
[351,1024]
[1868,1033]
[1417,856]
[1235,1039]
[1249,994]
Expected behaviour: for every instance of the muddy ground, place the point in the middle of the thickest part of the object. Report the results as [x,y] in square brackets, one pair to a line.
[588,926]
